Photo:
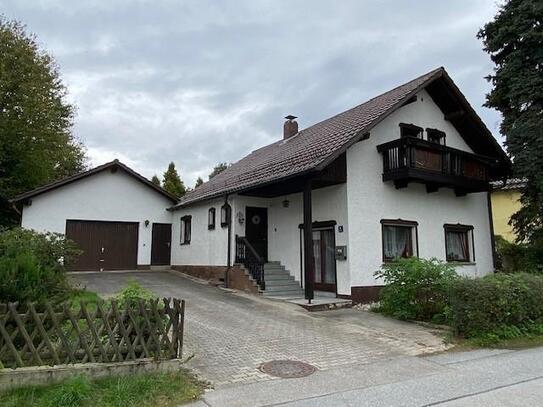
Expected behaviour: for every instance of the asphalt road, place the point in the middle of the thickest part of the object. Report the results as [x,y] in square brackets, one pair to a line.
[483,378]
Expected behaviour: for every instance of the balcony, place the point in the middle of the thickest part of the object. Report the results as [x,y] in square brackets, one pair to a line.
[411,159]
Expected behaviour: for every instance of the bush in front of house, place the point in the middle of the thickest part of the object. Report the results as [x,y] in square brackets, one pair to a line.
[32,265]
[416,288]
[500,305]
[132,293]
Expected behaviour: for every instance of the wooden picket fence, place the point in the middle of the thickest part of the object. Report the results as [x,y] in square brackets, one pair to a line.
[32,335]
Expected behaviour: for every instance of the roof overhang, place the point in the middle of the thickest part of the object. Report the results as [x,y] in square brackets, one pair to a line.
[111,166]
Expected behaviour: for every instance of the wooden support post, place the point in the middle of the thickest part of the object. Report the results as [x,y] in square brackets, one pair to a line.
[309,274]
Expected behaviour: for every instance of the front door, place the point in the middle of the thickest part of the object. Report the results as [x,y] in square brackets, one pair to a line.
[161,244]
[324,259]
[256,229]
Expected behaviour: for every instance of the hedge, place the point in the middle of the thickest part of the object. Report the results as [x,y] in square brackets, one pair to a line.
[415,288]
[492,303]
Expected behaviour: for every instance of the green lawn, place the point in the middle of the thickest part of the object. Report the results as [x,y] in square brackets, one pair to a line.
[161,390]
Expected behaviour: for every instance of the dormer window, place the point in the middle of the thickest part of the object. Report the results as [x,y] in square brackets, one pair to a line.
[410,130]
[436,136]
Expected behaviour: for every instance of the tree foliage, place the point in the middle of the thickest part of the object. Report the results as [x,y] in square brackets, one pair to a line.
[36,142]
[514,40]
[155,180]
[220,167]
[199,181]
[172,182]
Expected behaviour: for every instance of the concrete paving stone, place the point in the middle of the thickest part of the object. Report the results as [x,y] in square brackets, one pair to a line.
[230,334]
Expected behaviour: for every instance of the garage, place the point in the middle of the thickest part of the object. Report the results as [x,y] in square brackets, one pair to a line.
[118,218]
[105,245]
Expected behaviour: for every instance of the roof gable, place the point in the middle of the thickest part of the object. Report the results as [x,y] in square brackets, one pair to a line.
[314,148]
[112,165]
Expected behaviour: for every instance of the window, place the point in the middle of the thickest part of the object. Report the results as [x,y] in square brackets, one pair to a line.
[185,229]
[225,215]
[211,219]
[459,243]
[410,130]
[399,239]
[436,136]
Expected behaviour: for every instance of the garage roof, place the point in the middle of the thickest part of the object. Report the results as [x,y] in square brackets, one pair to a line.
[112,165]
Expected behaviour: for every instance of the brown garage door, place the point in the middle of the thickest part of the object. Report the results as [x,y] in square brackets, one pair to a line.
[105,245]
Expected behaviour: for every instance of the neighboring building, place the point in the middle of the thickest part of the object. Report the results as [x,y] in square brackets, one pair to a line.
[505,203]
[406,173]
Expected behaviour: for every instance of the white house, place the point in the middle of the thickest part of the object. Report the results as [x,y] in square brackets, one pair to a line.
[405,173]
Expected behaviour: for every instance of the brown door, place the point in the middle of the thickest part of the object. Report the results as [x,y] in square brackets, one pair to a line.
[105,245]
[324,259]
[161,245]
[256,229]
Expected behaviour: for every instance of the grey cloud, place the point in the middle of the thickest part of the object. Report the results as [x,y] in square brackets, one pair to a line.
[199,82]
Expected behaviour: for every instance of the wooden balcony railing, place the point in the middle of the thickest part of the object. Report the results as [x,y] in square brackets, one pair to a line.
[412,159]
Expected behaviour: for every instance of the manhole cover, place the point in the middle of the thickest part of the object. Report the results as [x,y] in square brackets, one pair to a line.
[287,368]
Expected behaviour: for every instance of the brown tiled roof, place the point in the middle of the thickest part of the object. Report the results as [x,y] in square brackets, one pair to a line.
[306,150]
[95,170]
[313,148]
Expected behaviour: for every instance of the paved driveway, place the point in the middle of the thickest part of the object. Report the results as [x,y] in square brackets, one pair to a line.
[231,334]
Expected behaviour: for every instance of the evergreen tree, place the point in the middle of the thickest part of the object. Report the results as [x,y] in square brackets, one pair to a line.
[514,40]
[36,141]
[172,182]
[199,181]
[155,180]
[220,167]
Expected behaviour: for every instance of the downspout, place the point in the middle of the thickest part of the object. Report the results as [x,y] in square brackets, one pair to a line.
[229,244]
[492,237]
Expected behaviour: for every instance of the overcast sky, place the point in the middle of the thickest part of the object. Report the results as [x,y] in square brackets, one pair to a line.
[201,82]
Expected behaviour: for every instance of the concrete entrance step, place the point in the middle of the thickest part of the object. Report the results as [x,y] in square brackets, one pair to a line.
[322,303]
[278,277]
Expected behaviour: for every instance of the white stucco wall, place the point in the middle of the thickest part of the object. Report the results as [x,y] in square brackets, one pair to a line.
[370,200]
[329,204]
[102,196]
[207,247]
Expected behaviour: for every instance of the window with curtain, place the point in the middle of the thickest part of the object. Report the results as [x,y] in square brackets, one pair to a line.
[211,219]
[458,242]
[398,239]
[185,229]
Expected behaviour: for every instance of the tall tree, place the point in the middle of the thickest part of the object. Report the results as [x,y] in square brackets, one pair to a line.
[36,142]
[220,167]
[155,180]
[199,181]
[172,182]
[514,40]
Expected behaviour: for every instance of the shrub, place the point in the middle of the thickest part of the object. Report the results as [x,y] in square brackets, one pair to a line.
[51,249]
[24,279]
[132,293]
[496,303]
[31,265]
[415,288]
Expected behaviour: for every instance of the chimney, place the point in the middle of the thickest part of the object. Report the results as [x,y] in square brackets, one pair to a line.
[290,128]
